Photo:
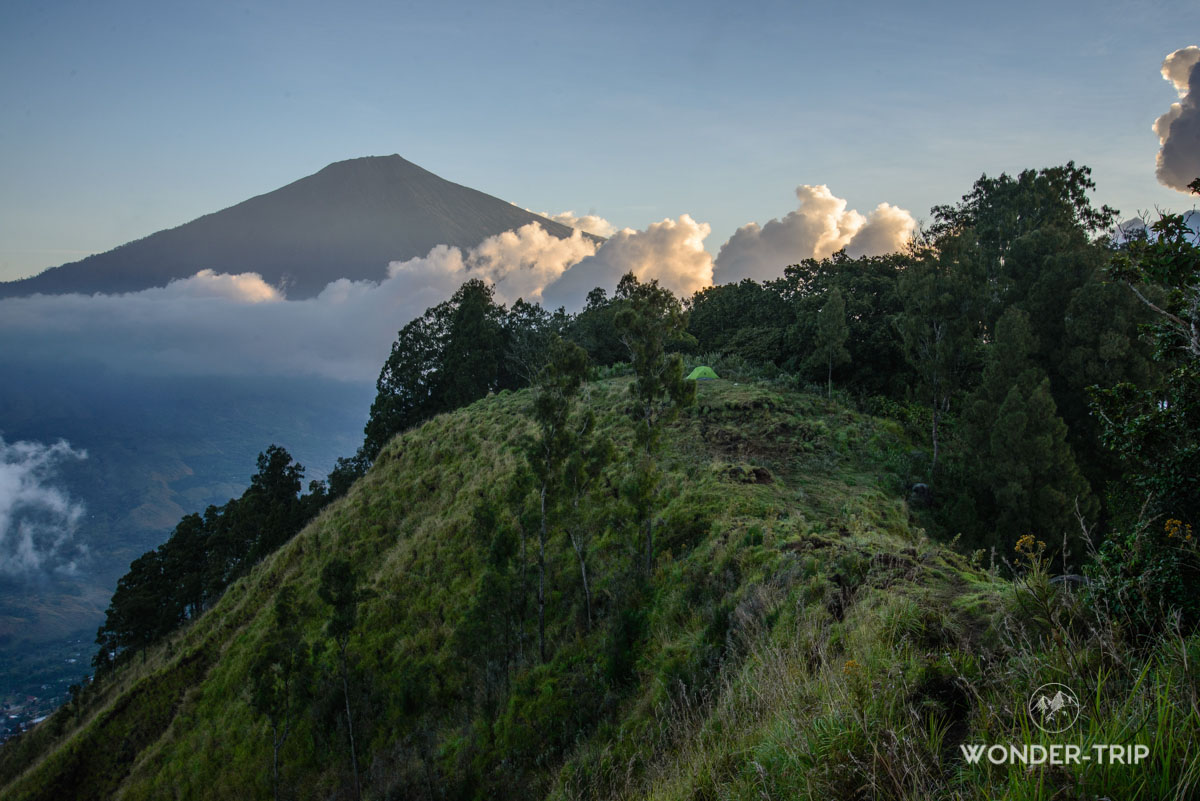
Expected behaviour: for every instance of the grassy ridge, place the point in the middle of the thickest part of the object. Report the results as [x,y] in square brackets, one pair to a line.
[800,638]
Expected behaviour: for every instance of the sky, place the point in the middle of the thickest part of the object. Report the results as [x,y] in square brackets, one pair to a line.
[124,118]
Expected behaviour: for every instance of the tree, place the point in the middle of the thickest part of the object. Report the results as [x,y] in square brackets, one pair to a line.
[869,289]
[1022,471]
[203,555]
[1167,259]
[1051,205]
[829,349]
[744,319]
[279,676]
[244,531]
[584,466]
[595,328]
[340,589]
[1004,208]
[140,611]
[476,347]
[1154,430]
[407,388]
[184,555]
[1037,243]
[492,628]
[652,319]
[558,383]
[270,510]
[937,329]
[1148,569]
[529,330]
[452,355]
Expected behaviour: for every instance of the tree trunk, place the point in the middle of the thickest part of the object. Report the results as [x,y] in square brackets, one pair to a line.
[523,599]
[936,414]
[275,764]
[350,726]
[649,544]
[829,379]
[587,593]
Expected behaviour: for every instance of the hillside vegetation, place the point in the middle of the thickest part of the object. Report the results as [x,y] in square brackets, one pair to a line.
[798,637]
[549,573]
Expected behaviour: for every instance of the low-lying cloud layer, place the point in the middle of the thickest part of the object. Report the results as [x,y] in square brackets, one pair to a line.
[1179,128]
[220,324]
[37,519]
[819,227]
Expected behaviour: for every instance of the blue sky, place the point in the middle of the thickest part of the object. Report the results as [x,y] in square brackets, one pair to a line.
[123,118]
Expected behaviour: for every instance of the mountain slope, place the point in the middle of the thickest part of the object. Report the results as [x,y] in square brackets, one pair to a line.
[799,638]
[346,221]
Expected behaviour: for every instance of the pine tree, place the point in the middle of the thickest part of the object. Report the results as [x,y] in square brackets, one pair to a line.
[652,319]
[280,676]
[832,332]
[1022,471]
[340,589]
[557,386]
[937,328]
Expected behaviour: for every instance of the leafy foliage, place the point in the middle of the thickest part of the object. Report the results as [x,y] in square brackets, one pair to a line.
[1155,432]
[869,287]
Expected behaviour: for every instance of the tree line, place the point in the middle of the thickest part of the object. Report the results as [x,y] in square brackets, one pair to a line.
[205,553]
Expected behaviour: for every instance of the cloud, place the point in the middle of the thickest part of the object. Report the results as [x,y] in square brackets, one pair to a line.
[588,223]
[819,227]
[241,288]
[37,519]
[671,252]
[220,324]
[1178,129]
[519,263]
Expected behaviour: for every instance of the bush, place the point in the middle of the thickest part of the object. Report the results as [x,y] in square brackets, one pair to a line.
[1144,577]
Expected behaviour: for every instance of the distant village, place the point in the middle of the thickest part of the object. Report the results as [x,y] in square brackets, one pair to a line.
[21,710]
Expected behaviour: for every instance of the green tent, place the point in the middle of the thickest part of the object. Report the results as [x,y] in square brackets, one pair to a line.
[702,374]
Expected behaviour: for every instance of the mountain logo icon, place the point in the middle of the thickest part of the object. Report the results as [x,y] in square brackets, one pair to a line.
[1053,708]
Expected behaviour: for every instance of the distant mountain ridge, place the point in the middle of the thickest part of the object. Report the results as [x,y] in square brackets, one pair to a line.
[346,221]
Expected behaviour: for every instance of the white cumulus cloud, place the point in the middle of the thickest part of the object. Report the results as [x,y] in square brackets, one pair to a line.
[519,263]
[588,223]
[819,227]
[671,252]
[37,518]
[1178,129]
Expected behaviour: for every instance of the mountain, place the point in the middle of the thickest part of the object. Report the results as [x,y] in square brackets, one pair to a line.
[346,221]
[798,637]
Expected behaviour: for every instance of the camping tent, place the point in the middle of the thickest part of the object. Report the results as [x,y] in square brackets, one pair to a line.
[702,374]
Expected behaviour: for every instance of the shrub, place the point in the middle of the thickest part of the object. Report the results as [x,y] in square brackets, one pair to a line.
[1146,575]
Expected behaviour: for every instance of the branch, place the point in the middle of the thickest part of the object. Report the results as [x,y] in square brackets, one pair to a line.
[1187,329]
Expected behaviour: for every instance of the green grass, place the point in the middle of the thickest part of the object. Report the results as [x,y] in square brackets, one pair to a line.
[799,638]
